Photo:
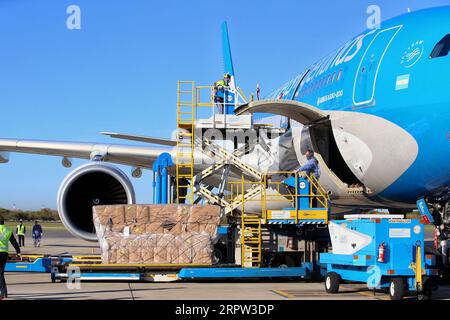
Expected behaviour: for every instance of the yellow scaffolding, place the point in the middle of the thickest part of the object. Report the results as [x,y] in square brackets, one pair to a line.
[251,246]
[190,98]
[317,195]
[282,194]
[184,163]
[251,224]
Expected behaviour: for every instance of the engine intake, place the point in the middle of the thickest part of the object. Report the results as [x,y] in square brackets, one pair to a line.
[87,186]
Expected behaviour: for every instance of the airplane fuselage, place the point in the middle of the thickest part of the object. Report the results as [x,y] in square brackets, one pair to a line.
[393,74]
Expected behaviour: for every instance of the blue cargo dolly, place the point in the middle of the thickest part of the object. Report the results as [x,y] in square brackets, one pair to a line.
[30,264]
[384,253]
[231,273]
[40,263]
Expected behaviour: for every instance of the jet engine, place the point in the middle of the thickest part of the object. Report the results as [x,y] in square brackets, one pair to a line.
[87,186]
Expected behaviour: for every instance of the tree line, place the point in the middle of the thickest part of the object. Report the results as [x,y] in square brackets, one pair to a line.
[44,214]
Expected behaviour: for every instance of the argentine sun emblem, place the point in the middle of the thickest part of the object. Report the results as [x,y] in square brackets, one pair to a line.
[413,54]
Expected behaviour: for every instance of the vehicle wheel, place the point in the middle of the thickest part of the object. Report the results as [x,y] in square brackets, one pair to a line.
[423,296]
[427,291]
[397,289]
[332,282]
[220,253]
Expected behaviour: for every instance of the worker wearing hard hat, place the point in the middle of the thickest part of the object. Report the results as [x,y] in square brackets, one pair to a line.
[20,231]
[6,236]
[219,92]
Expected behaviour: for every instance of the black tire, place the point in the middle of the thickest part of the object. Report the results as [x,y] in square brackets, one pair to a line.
[220,252]
[332,281]
[427,292]
[286,262]
[423,296]
[396,289]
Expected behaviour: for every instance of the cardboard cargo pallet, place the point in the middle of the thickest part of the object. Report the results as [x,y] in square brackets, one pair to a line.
[156,234]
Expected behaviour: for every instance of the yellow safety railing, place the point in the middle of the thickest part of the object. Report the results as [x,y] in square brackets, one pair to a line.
[205,98]
[203,91]
[322,195]
[274,190]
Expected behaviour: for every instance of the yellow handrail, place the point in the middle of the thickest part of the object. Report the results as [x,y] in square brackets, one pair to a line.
[199,101]
[282,194]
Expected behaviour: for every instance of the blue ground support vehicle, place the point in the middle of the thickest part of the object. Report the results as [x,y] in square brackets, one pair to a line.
[36,263]
[382,252]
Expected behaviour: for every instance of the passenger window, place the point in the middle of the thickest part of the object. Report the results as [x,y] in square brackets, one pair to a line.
[442,48]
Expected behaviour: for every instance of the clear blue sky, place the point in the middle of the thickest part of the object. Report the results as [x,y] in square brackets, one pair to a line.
[119,72]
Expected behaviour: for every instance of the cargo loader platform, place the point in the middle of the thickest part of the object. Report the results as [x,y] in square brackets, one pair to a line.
[173,272]
[42,263]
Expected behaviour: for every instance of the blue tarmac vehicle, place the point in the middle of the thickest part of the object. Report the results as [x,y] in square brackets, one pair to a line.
[382,252]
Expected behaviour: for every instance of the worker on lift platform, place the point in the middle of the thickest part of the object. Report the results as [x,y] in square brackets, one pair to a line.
[219,92]
[312,165]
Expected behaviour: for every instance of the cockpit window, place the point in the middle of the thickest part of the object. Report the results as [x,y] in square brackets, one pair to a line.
[442,48]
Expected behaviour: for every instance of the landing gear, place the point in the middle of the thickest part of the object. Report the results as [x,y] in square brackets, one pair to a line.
[441,216]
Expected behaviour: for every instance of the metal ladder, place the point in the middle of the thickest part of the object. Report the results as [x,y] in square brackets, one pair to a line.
[186,100]
[251,255]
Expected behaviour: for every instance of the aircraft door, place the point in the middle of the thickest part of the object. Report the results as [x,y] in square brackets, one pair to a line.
[366,77]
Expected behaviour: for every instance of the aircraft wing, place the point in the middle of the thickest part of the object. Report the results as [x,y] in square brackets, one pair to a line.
[139,156]
[160,141]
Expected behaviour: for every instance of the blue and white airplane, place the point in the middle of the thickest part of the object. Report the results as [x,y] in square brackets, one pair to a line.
[376,112]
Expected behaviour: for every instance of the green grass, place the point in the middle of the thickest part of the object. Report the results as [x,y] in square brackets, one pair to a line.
[46,226]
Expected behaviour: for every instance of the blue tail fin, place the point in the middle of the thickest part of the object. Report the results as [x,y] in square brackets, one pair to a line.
[226,52]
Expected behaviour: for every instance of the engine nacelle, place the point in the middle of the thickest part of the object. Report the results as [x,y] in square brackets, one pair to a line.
[87,186]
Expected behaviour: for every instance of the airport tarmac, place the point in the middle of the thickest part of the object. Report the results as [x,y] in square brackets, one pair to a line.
[57,240]
[27,286]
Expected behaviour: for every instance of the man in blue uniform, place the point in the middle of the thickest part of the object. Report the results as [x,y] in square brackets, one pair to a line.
[312,165]
[37,234]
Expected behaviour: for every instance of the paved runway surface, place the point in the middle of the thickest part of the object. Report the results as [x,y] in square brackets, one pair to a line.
[39,286]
